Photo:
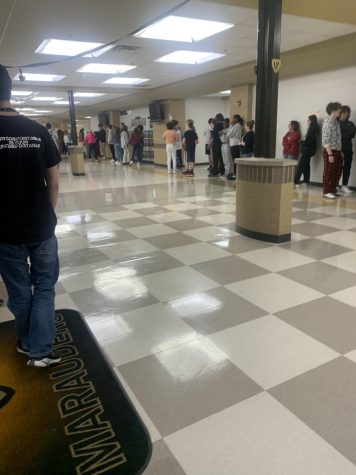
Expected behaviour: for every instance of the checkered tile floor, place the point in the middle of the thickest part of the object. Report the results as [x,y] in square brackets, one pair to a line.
[239,355]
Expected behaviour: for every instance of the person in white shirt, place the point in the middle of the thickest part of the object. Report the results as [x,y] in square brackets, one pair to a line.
[125,143]
[179,147]
[207,136]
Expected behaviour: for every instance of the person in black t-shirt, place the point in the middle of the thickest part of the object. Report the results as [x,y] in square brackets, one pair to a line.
[190,140]
[28,195]
[215,142]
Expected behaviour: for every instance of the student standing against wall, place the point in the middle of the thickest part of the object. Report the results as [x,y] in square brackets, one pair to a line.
[347,134]
[307,150]
[331,140]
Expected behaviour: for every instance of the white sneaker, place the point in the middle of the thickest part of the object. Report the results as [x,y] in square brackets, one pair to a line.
[117,164]
[112,160]
[174,171]
[138,165]
[346,189]
[331,196]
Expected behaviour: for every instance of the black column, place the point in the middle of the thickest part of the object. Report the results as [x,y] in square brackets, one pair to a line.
[73,125]
[268,49]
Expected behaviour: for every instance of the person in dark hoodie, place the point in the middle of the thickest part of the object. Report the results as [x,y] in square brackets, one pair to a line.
[307,149]
[216,144]
[347,134]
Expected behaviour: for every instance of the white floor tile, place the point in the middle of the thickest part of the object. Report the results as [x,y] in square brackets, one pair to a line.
[183,206]
[177,282]
[334,210]
[168,217]
[211,233]
[347,296]
[146,331]
[127,249]
[273,292]
[342,238]
[143,205]
[346,261]
[275,258]
[195,253]
[116,215]
[217,219]
[65,301]
[271,351]
[256,437]
[339,222]
[151,230]
[83,277]
[224,208]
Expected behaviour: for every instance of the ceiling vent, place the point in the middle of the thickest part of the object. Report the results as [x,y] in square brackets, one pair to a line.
[126,48]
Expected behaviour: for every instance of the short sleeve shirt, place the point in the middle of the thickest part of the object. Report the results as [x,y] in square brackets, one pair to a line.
[190,137]
[26,151]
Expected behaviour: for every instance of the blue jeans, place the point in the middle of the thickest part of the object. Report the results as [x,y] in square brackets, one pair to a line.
[118,152]
[290,157]
[31,292]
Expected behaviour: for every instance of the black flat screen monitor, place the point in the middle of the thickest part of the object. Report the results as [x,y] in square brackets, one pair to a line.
[156,111]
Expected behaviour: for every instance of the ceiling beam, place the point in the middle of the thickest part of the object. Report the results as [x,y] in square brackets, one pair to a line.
[343,11]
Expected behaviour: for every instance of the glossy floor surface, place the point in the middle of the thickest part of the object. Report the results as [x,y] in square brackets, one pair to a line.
[239,355]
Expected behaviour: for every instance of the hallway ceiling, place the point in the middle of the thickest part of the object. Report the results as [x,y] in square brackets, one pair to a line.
[22,30]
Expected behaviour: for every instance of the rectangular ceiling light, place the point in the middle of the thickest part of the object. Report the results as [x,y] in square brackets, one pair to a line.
[45,98]
[189,57]
[228,91]
[21,93]
[177,28]
[105,68]
[126,81]
[88,94]
[71,48]
[40,77]
[64,103]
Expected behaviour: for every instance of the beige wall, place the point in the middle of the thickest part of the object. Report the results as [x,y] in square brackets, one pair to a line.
[241,101]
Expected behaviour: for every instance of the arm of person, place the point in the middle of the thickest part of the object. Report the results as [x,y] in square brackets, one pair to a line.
[52,182]
[184,143]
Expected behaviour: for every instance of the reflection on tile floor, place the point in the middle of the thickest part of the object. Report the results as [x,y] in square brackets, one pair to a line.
[239,355]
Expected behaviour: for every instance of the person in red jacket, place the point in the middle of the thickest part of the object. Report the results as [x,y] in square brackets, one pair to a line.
[291,141]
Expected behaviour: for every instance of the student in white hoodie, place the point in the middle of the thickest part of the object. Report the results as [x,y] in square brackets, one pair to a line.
[125,143]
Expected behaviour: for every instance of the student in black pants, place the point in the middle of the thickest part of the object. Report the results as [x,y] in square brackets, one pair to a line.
[347,134]
[307,149]
[218,164]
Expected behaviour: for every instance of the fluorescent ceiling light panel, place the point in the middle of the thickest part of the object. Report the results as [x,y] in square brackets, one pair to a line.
[71,48]
[64,103]
[88,94]
[42,112]
[40,77]
[177,28]
[21,93]
[228,91]
[88,117]
[126,81]
[105,68]
[189,57]
[45,98]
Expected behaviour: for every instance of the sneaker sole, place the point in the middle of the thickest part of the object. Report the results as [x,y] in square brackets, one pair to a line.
[43,363]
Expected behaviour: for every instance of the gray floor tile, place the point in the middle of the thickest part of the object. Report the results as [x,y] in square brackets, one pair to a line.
[171,240]
[150,263]
[239,244]
[81,257]
[305,205]
[312,229]
[163,461]
[315,248]
[214,310]
[187,224]
[152,211]
[327,320]
[324,398]
[197,213]
[185,384]
[309,215]
[92,301]
[321,277]
[229,269]
[134,222]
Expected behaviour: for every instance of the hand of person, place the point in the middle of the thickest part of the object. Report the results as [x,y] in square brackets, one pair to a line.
[331,159]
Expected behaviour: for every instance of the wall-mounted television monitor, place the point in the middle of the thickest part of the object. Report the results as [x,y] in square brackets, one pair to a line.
[156,111]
